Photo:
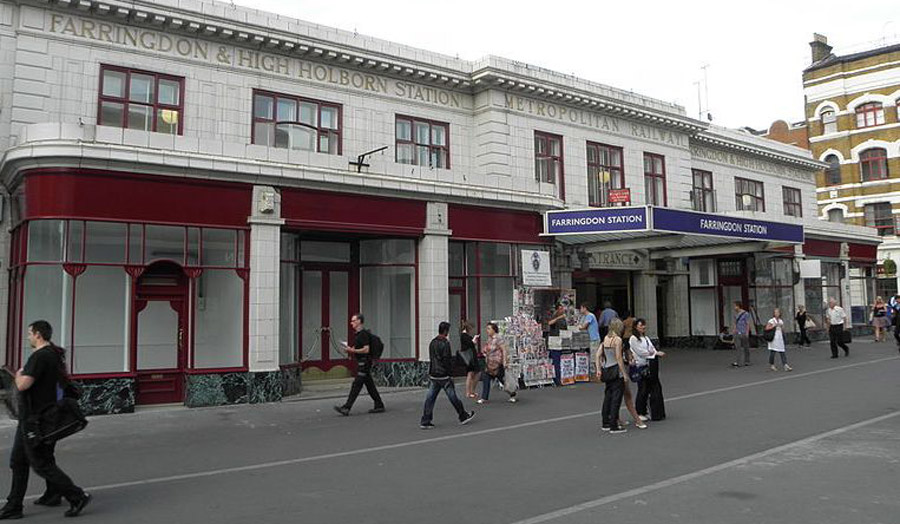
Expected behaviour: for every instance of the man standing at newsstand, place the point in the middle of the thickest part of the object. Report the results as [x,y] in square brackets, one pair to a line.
[365,366]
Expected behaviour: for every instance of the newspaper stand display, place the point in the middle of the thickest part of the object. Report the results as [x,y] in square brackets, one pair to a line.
[528,356]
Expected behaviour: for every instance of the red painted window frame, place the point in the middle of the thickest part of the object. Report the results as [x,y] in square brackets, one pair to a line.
[412,141]
[126,102]
[874,158]
[594,167]
[559,159]
[870,114]
[299,100]
[703,190]
[884,226]
[761,199]
[653,174]
[792,203]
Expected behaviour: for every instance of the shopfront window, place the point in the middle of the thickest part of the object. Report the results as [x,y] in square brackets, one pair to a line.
[102,310]
[218,319]
[771,286]
[862,288]
[387,293]
[487,279]
[48,296]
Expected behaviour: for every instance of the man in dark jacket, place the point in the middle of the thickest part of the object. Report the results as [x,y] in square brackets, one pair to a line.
[439,378]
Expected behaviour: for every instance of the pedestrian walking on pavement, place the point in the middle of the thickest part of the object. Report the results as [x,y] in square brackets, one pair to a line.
[612,372]
[365,366]
[439,379]
[495,358]
[590,324]
[742,327]
[649,388]
[895,318]
[468,352]
[38,382]
[803,324]
[835,319]
[880,319]
[777,345]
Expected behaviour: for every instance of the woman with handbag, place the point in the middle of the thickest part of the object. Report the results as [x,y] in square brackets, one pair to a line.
[649,388]
[495,356]
[774,334]
[469,356]
[611,371]
[804,323]
[880,319]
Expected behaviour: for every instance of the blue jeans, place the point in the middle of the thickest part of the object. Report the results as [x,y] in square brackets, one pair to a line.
[486,380]
[434,387]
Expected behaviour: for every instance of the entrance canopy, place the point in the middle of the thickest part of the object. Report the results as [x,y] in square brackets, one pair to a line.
[690,228]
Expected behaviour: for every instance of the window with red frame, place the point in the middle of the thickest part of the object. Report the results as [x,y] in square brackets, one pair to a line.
[422,142]
[703,198]
[604,167]
[291,122]
[749,195]
[792,207]
[548,160]
[655,179]
[868,115]
[140,100]
[873,164]
[881,217]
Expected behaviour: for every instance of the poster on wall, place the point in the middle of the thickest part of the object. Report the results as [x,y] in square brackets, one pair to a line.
[582,367]
[535,268]
[567,369]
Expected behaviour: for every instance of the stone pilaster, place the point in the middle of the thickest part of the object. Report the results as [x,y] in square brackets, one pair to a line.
[265,256]
[434,296]
[645,301]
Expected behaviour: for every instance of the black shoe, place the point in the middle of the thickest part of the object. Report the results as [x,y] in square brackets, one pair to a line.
[377,410]
[78,506]
[11,512]
[427,425]
[846,352]
[469,416]
[345,411]
[49,499]
[834,356]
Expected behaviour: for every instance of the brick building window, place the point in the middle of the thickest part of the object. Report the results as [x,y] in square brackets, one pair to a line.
[873,164]
[881,217]
[748,195]
[868,115]
[792,207]
[422,142]
[702,195]
[833,171]
[655,179]
[548,160]
[140,100]
[829,121]
[836,215]
[292,122]
[604,171]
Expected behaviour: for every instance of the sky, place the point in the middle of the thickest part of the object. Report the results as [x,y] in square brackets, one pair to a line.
[754,52]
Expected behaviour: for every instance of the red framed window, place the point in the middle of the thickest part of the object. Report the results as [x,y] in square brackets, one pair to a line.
[749,195]
[702,195]
[881,217]
[655,179]
[871,114]
[605,172]
[292,122]
[422,142]
[833,171]
[873,164]
[548,160]
[142,100]
[792,207]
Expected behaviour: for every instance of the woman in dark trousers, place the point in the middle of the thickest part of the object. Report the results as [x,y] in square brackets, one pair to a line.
[802,317]
[610,358]
[469,354]
[650,388]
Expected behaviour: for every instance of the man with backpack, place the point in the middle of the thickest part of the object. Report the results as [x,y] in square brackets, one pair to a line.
[367,349]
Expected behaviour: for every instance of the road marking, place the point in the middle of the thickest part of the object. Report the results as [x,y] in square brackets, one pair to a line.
[554,515]
[387,447]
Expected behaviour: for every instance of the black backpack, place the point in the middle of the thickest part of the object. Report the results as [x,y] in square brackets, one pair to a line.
[376,346]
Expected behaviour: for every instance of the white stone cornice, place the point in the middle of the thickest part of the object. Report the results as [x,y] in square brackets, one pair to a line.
[757,150]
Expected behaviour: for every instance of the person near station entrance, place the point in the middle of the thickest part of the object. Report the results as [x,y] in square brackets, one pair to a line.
[835,319]
[38,384]
[557,321]
[803,324]
[365,367]
[742,327]
[439,379]
[590,324]
[895,318]
[606,316]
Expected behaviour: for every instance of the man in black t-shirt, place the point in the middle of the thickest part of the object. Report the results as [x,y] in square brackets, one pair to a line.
[365,366]
[37,384]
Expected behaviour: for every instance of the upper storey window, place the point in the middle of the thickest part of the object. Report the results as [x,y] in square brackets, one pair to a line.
[141,100]
[655,179]
[604,166]
[873,164]
[298,123]
[749,195]
[548,160]
[829,121]
[868,115]
[422,142]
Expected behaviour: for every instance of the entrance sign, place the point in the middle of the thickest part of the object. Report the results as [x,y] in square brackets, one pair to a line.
[599,220]
[677,221]
[536,268]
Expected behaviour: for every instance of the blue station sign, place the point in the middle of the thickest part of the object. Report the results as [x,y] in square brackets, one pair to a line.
[598,220]
[678,221]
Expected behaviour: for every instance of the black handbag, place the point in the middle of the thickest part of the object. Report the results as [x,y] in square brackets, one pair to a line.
[467,356]
[769,334]
[638,373]
[609,374]
[846,337]
[55,422]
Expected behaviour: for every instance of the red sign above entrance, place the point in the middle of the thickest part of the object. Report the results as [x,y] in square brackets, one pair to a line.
[617,196]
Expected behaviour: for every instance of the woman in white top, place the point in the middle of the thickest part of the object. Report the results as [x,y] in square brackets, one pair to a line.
[777,343]
[649,388]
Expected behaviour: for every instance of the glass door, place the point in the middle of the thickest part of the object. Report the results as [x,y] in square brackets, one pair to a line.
[325,317]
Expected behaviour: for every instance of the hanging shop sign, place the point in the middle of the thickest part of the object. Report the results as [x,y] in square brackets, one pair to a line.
[536,268]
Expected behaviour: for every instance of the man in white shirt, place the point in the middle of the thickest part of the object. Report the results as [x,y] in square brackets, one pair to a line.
[835,319]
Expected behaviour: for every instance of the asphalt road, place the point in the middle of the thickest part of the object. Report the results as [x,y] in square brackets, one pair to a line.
[820,444]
